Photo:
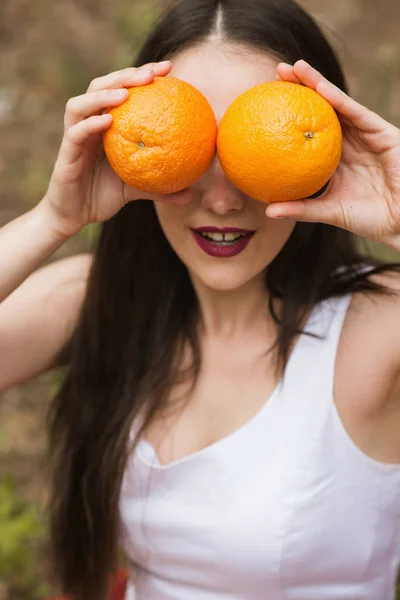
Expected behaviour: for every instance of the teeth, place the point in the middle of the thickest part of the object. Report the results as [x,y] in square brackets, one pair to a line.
[217,237]
[229,237]
[223,237]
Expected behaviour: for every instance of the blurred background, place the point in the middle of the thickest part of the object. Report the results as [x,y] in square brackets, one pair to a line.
[50,50]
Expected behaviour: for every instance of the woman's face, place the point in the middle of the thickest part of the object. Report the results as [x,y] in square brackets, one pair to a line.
[222,73]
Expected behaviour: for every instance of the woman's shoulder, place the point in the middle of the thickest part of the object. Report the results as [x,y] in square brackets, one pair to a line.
[375,315]
[368,358]
[378,307]
[367,372]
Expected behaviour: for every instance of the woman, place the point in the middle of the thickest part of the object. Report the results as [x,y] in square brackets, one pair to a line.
[232,422]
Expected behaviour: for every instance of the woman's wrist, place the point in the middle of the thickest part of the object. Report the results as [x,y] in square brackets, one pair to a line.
[47,219]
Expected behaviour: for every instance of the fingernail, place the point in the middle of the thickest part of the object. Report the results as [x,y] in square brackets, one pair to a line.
[163,63]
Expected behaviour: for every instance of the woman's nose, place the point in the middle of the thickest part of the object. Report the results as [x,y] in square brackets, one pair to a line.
[217,193]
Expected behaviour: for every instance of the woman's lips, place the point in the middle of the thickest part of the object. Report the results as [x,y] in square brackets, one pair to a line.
[222,248]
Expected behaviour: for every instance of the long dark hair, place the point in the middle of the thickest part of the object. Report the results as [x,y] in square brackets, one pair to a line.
[141,310]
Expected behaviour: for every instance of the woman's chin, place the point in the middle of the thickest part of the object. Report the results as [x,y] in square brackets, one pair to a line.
[223,280]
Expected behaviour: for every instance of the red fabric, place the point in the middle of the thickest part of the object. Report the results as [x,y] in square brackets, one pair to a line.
[118,586]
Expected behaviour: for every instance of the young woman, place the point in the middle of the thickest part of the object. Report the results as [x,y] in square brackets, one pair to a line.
[231,423]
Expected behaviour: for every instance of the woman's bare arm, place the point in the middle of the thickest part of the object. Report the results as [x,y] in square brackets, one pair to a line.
[39,318]
[25,244]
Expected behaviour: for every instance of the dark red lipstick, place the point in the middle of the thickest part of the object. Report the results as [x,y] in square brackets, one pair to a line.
[222,242]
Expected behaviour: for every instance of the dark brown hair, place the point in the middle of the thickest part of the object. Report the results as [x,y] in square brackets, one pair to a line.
[140,309]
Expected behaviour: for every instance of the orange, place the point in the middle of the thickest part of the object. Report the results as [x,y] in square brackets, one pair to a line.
[163,137]
[279,141]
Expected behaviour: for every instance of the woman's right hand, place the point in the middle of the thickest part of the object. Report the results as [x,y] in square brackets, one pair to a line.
[83,187]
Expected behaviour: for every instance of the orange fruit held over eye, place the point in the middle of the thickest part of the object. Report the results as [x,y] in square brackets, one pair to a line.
[163,137]
[279,141]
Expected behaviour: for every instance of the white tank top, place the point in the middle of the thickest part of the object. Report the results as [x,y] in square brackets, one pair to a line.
[285,508]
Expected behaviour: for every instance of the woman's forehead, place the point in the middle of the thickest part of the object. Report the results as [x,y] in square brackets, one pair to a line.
[222,72]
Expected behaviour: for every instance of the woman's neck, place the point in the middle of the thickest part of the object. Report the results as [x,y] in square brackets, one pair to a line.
[233,313]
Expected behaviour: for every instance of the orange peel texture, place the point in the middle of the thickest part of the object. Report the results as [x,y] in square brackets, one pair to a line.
[163,137]
[279,141]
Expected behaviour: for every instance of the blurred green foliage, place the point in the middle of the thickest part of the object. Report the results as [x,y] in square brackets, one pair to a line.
[20,527]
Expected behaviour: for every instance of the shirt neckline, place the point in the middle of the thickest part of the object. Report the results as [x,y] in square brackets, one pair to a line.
[156,464]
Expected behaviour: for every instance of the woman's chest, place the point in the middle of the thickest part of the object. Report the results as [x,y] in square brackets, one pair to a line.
[223,401]
[271,508]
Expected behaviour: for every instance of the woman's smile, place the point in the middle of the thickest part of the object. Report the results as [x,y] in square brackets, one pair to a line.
[222,242]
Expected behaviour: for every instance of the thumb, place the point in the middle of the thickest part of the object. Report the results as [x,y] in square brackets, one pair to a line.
[308,211]
[325,207]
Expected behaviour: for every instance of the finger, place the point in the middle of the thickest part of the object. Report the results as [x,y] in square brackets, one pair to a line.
[307,211]
[86,105]
[285,72]
[71,147]
[130,76]
[358,115]
[157,66]
[126,78]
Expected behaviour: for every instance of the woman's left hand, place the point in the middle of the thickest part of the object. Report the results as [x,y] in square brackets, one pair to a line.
[363,195]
